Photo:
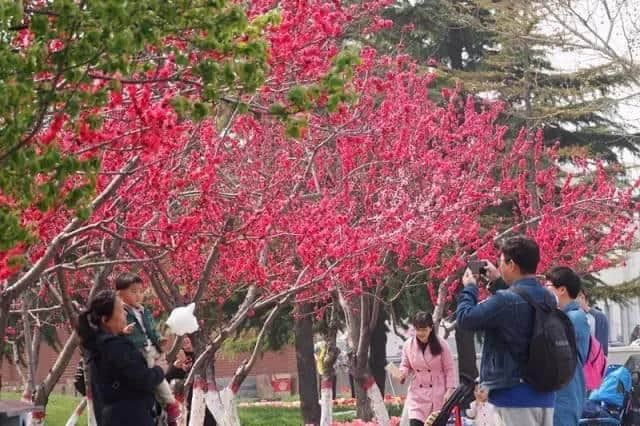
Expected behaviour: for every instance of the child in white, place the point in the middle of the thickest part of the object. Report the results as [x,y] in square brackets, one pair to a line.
[481,410]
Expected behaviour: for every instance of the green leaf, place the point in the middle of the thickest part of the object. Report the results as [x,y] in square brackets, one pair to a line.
[278,110]
[83,213]
[200,111]
[39,24]
[332,103]
[298,97]
[294,128]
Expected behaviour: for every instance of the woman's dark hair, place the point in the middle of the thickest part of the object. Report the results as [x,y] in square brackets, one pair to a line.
[101,305]
[423,320]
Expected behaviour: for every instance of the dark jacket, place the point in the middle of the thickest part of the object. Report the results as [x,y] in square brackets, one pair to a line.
[138,336]
[122,381]
[507,322]
[602,328]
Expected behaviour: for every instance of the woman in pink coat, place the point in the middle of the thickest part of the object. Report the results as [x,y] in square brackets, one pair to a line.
[428,358]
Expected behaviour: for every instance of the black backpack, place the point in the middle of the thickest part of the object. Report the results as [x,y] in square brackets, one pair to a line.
[553,355]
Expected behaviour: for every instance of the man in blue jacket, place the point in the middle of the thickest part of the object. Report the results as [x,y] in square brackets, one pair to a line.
[565,284]
[598,322]
[507,321]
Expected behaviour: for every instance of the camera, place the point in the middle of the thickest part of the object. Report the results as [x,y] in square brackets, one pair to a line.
[478,267]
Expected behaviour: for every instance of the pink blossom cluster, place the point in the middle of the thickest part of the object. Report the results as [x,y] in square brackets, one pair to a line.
[394,174]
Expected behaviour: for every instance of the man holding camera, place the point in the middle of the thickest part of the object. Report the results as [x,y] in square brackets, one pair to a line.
[507,320]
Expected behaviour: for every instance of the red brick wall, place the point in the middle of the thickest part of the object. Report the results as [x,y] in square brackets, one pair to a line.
[47,357]
[283,361]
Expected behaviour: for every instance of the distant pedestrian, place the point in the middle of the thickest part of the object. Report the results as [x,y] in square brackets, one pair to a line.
[565,284]
[635,334]
[427,358]
[179,371]
[598,322]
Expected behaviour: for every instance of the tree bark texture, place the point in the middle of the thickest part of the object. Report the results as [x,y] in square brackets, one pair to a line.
[307,374]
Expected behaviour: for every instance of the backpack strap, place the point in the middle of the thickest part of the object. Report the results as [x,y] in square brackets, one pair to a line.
[536,307]
[526,296]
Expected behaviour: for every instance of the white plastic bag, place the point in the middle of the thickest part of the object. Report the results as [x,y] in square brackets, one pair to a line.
[181,321]
[393,370]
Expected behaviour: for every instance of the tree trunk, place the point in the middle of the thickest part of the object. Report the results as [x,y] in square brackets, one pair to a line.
[198,406]
[328,370]
[222,404]
[181,395]
[378,352]
[361,315]
[5,304]
[326,402]
[441,304]
[454,48]
[363,405]
[369,400]
[307,375]
[44,389]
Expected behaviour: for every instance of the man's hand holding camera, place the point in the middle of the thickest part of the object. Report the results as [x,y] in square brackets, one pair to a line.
[480,270]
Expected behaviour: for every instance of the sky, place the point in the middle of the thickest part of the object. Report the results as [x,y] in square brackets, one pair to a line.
[615,22]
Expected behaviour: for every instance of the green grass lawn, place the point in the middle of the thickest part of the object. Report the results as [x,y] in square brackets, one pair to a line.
[61,406]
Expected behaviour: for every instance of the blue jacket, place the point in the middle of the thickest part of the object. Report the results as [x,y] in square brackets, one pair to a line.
[507,322]
[602,328]
[570,399]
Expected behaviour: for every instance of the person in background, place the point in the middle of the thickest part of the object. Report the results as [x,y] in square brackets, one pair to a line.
[319,353]
[598,322]
[142,333]
[507,321]
[565,284]
[180,370]
[635,334]
[481,411]
[121,378]
[428,359]
[183,363]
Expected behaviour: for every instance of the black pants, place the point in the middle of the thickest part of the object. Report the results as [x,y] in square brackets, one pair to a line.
[414,422]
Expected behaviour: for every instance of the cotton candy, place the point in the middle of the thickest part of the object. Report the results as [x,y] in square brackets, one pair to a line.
[181,321]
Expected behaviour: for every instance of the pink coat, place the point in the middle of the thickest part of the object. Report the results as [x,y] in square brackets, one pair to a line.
[432,377]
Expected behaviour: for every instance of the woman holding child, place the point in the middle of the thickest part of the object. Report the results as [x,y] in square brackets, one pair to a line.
[142,332]
[428,359]
[124,383]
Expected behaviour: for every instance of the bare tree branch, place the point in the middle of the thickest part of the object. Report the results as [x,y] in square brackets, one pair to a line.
[243,370]
[31,276]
